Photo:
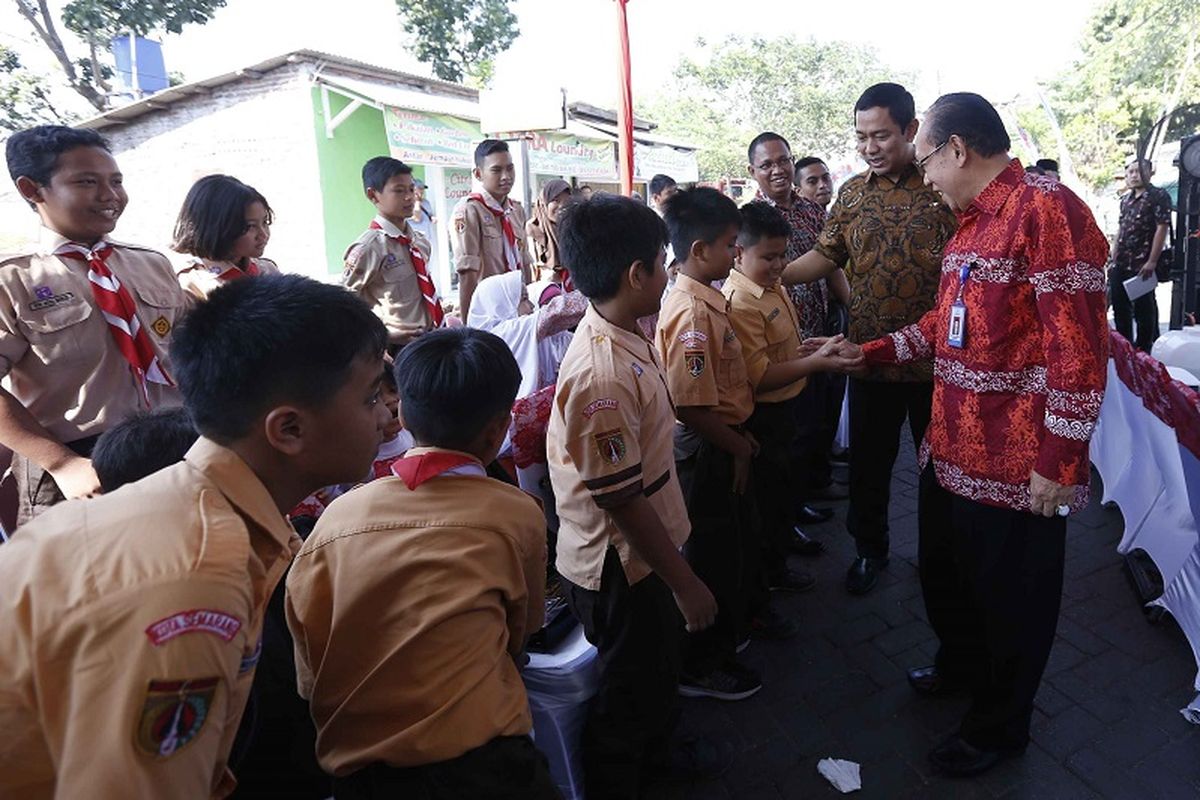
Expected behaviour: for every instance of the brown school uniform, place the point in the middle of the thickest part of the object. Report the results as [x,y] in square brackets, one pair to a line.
[479,239]
[379,269]
[129,633]
[609,439]
[202,275]
[768,330]
[409,608]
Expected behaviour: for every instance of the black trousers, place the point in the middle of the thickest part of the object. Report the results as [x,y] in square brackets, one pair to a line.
[992,580]
[637,631]
[877,412]
[813,435]
[1144,311]
[724,551]
[506,768]
[774,484]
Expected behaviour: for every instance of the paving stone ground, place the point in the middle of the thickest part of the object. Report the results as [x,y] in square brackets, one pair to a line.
[1106,725]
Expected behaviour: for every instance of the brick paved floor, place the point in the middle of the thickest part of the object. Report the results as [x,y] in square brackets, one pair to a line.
[1106,725]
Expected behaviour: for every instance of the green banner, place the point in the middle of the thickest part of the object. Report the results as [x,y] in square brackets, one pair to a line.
[420,138]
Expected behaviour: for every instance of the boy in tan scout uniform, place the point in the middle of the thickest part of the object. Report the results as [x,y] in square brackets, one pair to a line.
[765,321]
[81,353]
[412,600]
[621,512]
[130,624]
[388,266]
[489,227]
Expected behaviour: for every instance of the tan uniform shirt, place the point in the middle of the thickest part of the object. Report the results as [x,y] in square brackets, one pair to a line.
[609,439]
[701,353]
[768,330]
[479,239]
[408,608]
[202,275]
[58,352]
[130,626]
[379,269]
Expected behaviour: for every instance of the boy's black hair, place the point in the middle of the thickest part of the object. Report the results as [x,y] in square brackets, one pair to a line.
[33,153]
[972,118]
[1047,164]
[698,215]
[892,96]
[486,148]
[213,216]
[761,221]
[600,238]
[763,138]
[808,161]
[453,382]
[660,182]
[381,169]
[142,445]
[253,345]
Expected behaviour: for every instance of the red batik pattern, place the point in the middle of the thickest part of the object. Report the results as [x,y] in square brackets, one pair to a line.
[1025,391]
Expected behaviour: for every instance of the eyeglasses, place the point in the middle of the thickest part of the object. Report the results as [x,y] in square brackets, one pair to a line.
[920,162]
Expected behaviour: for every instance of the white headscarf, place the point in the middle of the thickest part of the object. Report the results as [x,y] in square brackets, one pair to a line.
[494,309]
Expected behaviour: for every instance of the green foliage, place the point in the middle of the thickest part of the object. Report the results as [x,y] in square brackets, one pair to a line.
[459,38]
[24,98]
[802,90]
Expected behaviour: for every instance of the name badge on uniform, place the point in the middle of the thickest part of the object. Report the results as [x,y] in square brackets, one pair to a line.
[957,330]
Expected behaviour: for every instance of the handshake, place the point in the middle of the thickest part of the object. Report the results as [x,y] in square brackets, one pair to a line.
[834,353]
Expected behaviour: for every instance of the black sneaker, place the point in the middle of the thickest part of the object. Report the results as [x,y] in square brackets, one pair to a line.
[768,626]
[790,580]
[720,684]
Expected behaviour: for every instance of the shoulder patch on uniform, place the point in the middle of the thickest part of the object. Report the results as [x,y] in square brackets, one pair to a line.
[611,445]
[603,404]
[460,224]
[352,255]
[173,714]
[694,361]
[692,338]
[196,620]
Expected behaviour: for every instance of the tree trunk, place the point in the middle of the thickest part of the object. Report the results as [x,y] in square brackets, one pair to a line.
[45,29]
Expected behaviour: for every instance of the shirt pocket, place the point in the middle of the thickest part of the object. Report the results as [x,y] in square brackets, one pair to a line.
[159,308]
[58,336]
[779,339]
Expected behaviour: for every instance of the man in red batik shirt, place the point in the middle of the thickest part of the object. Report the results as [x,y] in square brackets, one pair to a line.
[1019,345]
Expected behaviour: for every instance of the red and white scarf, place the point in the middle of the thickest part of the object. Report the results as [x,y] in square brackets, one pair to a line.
[120,312]
[416,468]
[512,251]
[429,292]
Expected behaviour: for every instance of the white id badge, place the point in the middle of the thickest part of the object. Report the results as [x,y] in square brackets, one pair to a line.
[958,325]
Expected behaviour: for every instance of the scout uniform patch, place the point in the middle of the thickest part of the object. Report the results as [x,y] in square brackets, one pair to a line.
[173,715]
[161,326]
[694,360]
[692,338]
[602,404]
[611,445]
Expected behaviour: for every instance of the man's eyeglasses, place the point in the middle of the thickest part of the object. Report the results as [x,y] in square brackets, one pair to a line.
[920,162]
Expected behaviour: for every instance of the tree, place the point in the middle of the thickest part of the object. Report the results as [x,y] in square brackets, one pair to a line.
[803,90]
[96,22]
[459,38]
[24,99]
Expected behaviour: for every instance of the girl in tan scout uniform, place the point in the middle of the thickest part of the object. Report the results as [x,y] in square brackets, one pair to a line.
[84,321]
[224,226]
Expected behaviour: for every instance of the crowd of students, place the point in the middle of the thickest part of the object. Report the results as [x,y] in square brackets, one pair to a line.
[591,416]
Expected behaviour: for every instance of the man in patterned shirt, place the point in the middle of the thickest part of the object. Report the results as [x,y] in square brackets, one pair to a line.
[1145,218]
[1019,346]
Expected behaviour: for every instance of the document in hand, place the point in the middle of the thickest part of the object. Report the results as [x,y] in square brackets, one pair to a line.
[1135,287]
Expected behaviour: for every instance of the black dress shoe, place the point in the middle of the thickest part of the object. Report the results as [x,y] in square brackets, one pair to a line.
[807,515]
[802,544]
[956,756]
[864,574]
[931,681]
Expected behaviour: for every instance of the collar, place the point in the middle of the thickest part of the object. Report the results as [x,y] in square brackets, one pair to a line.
[635,343]
[994,195]
[796,197]
[739,281]
[703,292]
[390,229]
[49,241]
[905,176]
[238,483]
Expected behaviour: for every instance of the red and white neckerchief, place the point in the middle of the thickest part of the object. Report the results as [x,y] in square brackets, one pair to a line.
[429,292]
[512,252]
[119,311]
[417,468]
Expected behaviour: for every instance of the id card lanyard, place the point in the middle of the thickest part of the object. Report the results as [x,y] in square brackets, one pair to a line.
[957,335]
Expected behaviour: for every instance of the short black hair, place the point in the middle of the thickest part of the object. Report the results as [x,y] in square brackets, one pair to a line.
[276,339]
[1034,169]
[453,382]
[892,96]
[33,153]
[381,169]
[808,161]
[972,118]
[660,182]
[700,214]
[213,216]
[1047,164]
[600,238]
[763,138]
[486,148]
[761,221]
[142,445]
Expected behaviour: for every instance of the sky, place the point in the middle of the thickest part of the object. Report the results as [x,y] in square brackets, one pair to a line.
[571,44]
